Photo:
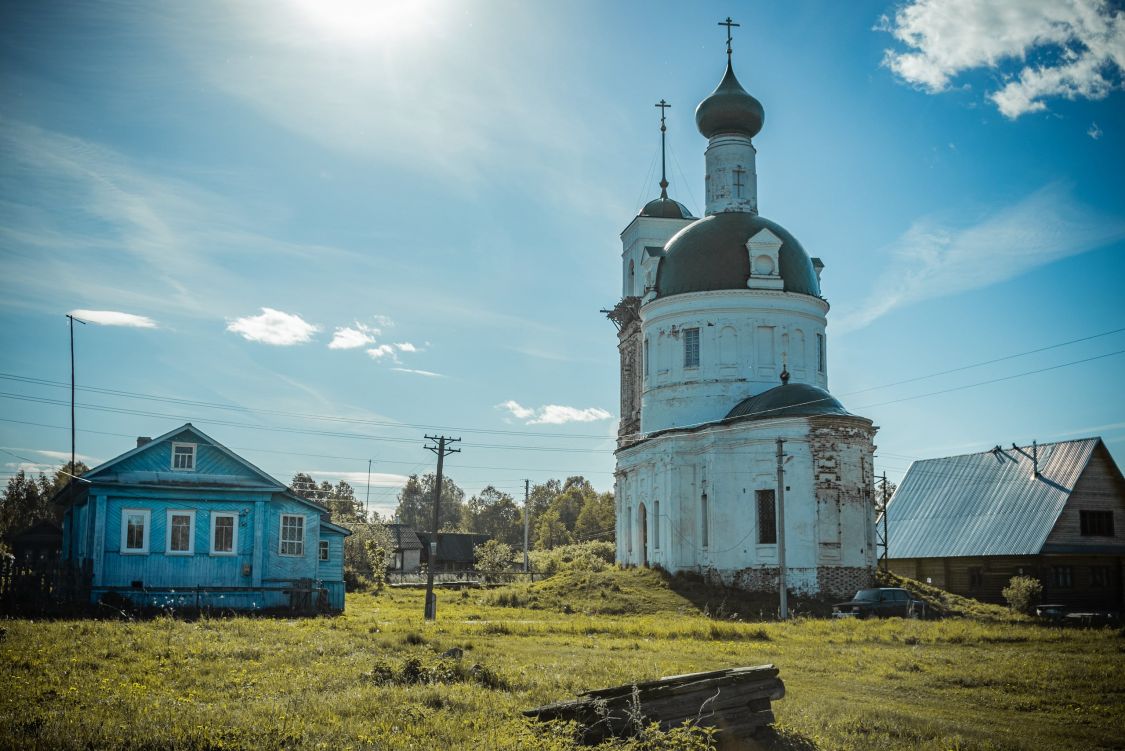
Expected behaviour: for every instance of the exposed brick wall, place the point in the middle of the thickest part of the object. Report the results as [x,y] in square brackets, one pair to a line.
[842,581]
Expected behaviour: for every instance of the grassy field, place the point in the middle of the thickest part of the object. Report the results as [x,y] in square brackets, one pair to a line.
[373,678]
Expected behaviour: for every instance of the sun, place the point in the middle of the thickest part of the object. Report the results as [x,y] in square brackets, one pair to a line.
[366,20]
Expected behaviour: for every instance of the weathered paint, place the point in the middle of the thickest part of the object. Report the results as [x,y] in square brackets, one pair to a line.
[254,575]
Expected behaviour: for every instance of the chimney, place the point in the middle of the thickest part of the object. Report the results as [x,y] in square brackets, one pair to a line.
[143,439]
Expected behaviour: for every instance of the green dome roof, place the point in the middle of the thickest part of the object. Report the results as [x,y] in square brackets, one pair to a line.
[788,400]
[665,208]
[711,254]
[729,109]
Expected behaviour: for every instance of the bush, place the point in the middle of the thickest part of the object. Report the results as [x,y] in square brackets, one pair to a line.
[581,556]
[1023,593]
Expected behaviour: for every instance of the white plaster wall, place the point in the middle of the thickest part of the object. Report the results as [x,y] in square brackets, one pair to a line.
[744,337]
[644,231]
[730,463]
[731,160]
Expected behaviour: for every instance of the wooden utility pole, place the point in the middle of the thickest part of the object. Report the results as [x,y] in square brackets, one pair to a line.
[441,449]
[783,609]
[526,522]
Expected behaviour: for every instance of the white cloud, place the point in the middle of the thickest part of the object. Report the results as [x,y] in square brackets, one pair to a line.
[274,327]
[427,373]
[553,414]
[1094,132]
[347,337]
[1077,47]
[934,260]
[114,318]
[383,350]
[359,479]
[406,347]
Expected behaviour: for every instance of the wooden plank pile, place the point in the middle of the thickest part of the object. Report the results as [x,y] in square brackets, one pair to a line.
[735,701]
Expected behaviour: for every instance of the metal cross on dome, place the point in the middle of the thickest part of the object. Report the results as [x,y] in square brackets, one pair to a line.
[728,23]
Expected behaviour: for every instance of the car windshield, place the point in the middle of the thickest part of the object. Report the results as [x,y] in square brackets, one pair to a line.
[867,595]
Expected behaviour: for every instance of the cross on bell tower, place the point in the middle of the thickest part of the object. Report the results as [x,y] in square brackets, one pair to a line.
[663,105]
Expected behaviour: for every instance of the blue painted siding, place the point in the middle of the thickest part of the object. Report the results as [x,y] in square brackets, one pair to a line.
[256,575]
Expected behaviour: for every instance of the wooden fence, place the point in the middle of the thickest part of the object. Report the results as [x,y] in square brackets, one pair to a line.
[43,586]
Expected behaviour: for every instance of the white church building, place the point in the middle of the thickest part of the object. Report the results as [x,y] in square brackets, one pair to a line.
[722,332]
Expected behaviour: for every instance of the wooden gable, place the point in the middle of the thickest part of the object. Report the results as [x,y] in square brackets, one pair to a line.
[1100,490]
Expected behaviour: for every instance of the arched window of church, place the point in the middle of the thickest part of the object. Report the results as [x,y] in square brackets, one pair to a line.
[820,353]
[767,517]
[656,525]
[691,348]
[632,275]
[646,359]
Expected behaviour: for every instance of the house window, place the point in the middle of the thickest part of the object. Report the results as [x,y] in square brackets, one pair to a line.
[976,578]
[1063,576]
[134,530]
[1099,577]
[1096,523]
[181,533]
[691,348]
[292,535]
[224,533]
[324,550]
[767,518]
[820,353]
[183,456]
[704,521]
[656,524]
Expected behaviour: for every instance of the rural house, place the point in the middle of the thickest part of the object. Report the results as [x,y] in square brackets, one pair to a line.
[456,551]
[183,521]
[407,549]
[1056,511]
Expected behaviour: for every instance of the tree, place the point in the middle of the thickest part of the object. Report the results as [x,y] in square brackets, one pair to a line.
[366,551]
[27,500]
[415,504]
[66,474]
[597,520]
[541,496]
[493,556]
[550,531]
[495,514]
[339,499]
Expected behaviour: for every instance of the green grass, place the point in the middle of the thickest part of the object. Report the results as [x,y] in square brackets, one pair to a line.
[374,678]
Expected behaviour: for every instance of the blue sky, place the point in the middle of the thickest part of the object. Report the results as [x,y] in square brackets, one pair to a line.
[404,217]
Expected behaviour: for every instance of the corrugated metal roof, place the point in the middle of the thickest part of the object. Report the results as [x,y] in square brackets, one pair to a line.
[989,503]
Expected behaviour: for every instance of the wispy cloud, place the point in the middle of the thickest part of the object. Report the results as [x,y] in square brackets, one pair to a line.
[1094,131]
[359,479]
[352,337]
[1082,42]
[114,318]
[933,259]
[273,327]
[427,373]
[383,351]
[553,414]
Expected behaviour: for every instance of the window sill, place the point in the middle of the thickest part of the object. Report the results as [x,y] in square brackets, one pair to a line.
[215,554]
[133,552]
[179,553]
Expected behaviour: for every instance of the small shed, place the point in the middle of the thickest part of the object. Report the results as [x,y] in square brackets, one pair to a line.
[1054,511]
[407,549]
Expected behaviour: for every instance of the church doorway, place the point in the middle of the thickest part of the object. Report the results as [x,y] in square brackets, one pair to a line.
[642,527]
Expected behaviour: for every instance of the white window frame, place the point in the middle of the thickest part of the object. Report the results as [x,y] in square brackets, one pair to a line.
[324,551]
[194,455]
[281,541]
[215,516]
[147,514]
[191,532]
[692,349]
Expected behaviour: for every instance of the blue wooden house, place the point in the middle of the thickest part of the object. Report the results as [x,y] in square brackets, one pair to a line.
[183,521]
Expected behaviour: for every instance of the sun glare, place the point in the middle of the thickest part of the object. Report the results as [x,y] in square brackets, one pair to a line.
[366,20]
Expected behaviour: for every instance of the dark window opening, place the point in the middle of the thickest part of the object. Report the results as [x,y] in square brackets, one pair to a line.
[1099,576]
[1096,523]
[767,518]
[1063,577]
[976,577]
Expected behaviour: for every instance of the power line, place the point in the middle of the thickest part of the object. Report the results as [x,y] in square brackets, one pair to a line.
[285,413]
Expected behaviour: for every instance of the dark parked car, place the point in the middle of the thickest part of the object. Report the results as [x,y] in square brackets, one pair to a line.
[884,602]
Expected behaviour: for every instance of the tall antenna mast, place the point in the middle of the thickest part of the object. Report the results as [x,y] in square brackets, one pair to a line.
[663,105]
